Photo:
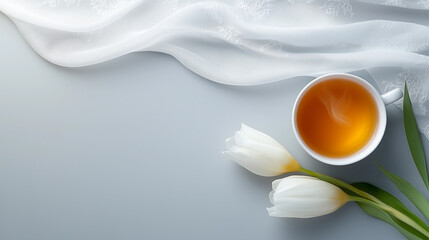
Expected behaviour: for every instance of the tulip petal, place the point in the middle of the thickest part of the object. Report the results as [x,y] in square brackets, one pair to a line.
[269,161]
[259,136]
[266,153]
[243,141]
[259,153]
[275,184]
[304,197]
[251,166]
[272,211]
[271,196]
[229,143]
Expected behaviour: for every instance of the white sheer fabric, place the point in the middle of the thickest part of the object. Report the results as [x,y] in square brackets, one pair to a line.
[241,42]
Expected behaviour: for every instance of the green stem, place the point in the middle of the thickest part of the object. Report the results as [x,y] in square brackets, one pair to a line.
[404,218]
[367,198]
[340,184]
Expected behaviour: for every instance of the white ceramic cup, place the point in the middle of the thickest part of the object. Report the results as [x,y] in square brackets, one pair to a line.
[381,103]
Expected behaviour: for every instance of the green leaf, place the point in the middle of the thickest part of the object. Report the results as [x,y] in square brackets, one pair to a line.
[407,231]
[409,191]
[392,201]
[413,138]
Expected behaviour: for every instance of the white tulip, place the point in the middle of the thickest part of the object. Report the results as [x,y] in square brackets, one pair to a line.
[259,153]
[304,197]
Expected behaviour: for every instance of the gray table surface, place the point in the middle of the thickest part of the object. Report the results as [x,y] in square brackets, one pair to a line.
[131,149]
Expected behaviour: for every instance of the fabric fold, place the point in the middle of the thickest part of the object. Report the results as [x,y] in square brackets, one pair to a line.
[241,42]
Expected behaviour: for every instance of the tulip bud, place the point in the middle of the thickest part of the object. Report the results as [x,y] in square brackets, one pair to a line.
[259,153]
[304,197]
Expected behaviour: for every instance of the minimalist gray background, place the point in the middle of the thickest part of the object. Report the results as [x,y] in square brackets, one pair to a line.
[131,149]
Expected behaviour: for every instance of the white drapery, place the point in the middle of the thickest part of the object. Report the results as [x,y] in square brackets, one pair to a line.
[241,42]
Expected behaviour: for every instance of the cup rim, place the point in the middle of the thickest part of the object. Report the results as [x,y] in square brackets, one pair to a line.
[372,143]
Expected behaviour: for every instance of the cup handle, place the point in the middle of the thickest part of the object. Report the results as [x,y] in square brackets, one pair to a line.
[392,96]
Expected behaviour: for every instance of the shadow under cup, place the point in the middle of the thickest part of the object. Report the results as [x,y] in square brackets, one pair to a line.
[337,104]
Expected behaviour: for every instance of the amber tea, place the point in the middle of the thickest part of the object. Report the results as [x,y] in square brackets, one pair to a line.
[337,117]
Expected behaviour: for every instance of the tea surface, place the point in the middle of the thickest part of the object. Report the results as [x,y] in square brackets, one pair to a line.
[337,117]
